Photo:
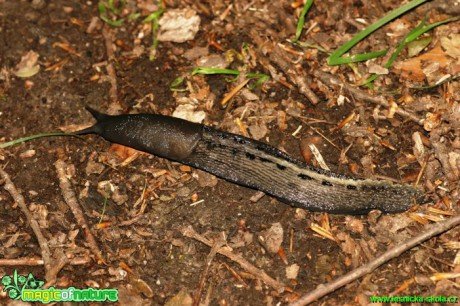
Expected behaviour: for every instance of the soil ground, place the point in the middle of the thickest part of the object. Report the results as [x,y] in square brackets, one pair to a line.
[146,202]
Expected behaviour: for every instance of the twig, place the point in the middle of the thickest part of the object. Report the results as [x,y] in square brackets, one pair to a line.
[257,196]
[233,92]
[71,200]
[361,95]
[113,93]
[33,261]
[188,231]
[215,247]
[294,73]
[236,275]
[323,289]
[60,260]
[18,198]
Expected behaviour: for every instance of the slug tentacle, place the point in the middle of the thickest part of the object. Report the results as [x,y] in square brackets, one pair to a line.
[95,128]
[253,164]
[97,115]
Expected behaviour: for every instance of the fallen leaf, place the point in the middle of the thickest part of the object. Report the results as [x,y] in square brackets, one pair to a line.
[451,44]
[28,66]
[292,271]
[182,298]
[272,238]
[178,25]
[415,47]
[187,112]
[413,68]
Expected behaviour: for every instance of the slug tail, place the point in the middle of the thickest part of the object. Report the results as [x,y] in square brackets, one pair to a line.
[90,130]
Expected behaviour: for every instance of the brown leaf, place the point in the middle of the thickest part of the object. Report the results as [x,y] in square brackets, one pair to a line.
[272,238]
[413,68]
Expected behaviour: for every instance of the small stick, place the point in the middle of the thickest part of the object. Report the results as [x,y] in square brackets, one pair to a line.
[34,261]
[18,198]
[212,254]
[431,231]
[295,74]
[236,275]
[188,231]
[71,200]
[113,92]
[233,92]
[361,95]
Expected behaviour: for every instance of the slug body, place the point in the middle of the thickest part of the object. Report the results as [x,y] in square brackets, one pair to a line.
[253,164]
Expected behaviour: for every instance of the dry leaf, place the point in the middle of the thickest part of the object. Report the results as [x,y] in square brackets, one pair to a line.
[272,238]
[182,298]
[415,47]
[28,66]
[451,44]
[122,152]
[292,271]
[187,112]
[178,25]
[412,68]
[258,131]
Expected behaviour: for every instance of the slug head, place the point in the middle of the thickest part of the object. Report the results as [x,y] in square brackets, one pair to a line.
[164,136]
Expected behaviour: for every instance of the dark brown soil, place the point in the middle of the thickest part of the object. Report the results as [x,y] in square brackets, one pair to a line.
[160,261]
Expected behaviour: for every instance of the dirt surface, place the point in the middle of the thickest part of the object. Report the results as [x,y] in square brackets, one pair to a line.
[147,204]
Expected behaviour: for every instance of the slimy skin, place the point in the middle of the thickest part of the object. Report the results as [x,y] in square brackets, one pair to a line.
[253,164]
[163,136]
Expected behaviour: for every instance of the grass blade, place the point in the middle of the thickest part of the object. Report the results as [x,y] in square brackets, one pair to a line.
[27,138]
[336,59]
[301,21]
[413,35]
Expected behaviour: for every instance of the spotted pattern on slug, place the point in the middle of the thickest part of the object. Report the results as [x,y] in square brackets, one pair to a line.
[239,140]
[250,156]
[304,176]
[272,171]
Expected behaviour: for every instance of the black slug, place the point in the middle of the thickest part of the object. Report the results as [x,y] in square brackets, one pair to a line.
[253,164]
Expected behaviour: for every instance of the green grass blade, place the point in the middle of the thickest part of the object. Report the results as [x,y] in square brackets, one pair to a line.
[261,78]
[24,139]
[113,23]
[154,16]
[115,10]
[355,58]
[336,59]
[101,7]
[211,70]
[134,16]
[301,21]
[307,45]
[176,83]
[413,35]
[422,30]
[104,205]
[103,12]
